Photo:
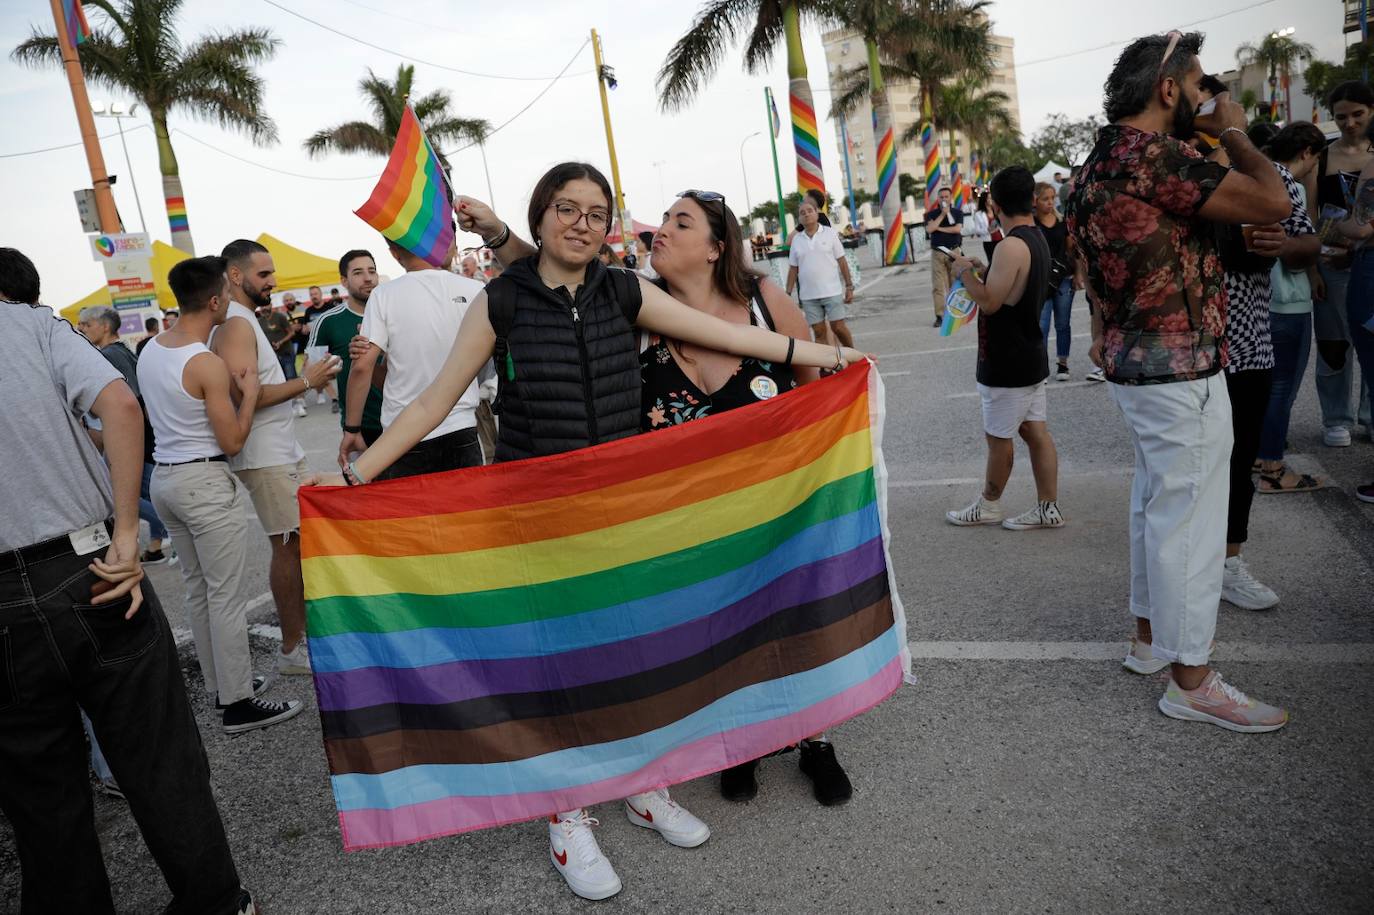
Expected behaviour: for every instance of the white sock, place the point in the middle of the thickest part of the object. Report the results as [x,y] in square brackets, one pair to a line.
[571,814]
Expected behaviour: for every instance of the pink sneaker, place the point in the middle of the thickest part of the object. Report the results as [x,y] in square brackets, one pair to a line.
[1218,702]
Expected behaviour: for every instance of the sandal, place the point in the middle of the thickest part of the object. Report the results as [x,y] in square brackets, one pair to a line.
[1273,482]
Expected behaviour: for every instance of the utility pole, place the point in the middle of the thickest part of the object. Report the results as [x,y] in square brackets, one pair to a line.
[744,171]
[604,75]
[773,139]
[100,179]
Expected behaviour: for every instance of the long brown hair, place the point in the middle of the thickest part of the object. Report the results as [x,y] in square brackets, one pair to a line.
[731,275]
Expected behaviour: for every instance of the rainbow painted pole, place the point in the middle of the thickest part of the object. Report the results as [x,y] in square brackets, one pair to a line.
[956,182]
[805,137]
[975,173]
[930,143]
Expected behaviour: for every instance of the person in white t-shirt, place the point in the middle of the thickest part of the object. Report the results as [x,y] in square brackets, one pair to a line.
[413,319]
[817,265]
[272,462]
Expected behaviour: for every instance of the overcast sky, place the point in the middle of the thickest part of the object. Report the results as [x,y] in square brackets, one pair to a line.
[312,83]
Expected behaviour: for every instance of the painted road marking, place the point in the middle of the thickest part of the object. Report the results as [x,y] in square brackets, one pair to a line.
[1309,653]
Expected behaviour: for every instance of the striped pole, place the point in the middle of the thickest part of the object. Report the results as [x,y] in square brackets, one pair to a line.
[894,233]
[805,137]
[931,144]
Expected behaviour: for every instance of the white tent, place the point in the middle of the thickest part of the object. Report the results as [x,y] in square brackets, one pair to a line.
[1047,173]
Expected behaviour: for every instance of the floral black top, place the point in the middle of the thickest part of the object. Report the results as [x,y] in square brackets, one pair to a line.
[1153,267]
[670,398]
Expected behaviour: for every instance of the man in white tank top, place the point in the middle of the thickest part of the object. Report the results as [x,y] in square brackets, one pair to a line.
[272,462]
[197,430]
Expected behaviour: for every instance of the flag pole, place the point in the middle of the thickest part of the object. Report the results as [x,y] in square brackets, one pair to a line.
[848,176]
[95,159]
[610,144]
[773,142]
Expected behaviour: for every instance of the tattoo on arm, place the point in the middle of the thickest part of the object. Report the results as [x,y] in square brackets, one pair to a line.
[991,491]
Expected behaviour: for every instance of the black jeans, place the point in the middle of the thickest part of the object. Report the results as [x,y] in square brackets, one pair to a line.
[445,452]
[60,654]
[1249,391]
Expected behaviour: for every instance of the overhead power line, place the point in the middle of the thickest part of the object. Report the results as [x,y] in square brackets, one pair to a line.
[34,152]
[409,57]
[1114,44]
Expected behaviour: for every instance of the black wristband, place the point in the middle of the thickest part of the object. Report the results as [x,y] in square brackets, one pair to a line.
[501,237]
[353,429]
[791,345]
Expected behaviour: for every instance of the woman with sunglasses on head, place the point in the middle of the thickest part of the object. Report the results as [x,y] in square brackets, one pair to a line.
[554,315]
[698,253]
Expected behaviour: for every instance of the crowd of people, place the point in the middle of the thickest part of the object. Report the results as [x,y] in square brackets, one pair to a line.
[1205,277]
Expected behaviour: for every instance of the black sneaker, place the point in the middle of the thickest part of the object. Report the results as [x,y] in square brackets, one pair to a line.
[738,783]
[248,714]
[818,763]
[333,406]
[259,687]
[938,322]
[246,904]
[153,557]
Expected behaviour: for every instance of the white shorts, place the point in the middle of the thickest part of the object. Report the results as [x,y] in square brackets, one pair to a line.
[1005,409]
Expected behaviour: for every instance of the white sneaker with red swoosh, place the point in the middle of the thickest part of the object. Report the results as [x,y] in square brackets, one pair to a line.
[1218,702]
[656,810]
[576,856]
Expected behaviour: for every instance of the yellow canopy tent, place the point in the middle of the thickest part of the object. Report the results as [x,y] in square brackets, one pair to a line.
[296,269]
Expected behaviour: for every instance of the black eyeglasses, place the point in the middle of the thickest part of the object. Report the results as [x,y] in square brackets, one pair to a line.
[704,196]
[569,215]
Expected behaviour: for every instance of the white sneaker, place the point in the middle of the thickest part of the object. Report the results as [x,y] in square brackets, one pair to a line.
[656,810]
[295,664]
[576,856]
[1045,514]
[319,397]
[299,406]
[980,511]
[1141,659]
[1336,437]
[1096,375]
[1241,588]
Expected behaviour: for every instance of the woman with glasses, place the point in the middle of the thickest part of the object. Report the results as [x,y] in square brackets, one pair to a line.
[555,316]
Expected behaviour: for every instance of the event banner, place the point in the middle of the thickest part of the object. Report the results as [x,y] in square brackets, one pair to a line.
[500,643]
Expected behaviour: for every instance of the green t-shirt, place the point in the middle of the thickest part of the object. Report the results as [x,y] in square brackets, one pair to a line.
[334,329]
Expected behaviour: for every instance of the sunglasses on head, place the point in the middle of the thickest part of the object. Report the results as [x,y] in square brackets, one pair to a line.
[1173,37]
[703,196]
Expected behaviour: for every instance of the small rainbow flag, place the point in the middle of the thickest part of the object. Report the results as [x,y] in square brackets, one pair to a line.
[960,309]
[411,204]
[500,643]
[74,17]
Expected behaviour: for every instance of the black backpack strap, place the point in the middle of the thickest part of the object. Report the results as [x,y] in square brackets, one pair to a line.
[624,287]
[501,314]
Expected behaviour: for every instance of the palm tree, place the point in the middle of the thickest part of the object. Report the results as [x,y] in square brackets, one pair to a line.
[936,42]
[1278,53]
[387,101]
[135,48]
[873,20]
[693,61]
[978,114]
[1249,101]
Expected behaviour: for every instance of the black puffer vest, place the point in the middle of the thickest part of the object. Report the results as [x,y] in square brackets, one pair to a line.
[569,377]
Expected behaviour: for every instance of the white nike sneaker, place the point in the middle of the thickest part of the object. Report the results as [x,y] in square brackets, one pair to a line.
[656,810]
[576,856]
[1240,587]
[980,511]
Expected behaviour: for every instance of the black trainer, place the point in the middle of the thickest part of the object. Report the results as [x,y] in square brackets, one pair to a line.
[259,687]
[246,904]
[818,763]
[938,322]
[248,714]
[152,558]
[738,783]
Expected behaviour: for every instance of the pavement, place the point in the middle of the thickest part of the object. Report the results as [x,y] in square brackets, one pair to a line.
[1024,772]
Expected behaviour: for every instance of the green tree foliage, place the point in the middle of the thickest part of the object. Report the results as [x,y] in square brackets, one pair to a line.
[1065,140]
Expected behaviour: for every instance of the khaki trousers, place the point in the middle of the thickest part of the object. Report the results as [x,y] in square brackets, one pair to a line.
[203,508]
[941,278]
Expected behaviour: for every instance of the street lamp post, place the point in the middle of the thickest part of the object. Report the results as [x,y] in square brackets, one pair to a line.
[744,172]
[116,111]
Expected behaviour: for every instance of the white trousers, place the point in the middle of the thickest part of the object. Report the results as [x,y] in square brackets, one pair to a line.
[1182,437]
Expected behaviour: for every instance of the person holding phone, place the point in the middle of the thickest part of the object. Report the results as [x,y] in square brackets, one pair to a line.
[944,225]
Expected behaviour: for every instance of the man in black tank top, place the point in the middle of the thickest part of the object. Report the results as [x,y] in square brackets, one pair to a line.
[1012,364]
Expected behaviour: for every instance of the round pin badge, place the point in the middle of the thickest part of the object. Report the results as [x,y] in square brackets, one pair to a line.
[764,387]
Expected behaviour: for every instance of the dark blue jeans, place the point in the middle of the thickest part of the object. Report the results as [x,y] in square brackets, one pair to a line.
[1359,310]
[1060,306]
[59,654]
[449,451]
[1292,335]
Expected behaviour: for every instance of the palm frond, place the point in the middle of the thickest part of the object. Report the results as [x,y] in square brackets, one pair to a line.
[456,130]
[350,137]
[696,56]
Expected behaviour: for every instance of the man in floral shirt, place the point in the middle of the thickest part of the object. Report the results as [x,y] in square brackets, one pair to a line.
[1141,211]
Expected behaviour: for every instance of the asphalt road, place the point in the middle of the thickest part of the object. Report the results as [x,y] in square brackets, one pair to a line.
[1025,772]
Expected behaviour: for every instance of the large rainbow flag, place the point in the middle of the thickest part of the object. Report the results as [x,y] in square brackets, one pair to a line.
[500,643]
[411,204]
